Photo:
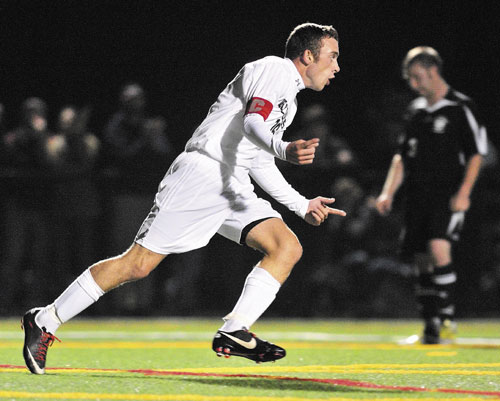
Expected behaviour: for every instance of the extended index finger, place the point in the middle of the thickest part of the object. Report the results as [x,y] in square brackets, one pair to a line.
[338,212]
[311,142]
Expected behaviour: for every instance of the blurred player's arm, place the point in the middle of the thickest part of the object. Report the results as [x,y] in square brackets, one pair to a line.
[460,202]
[393,181]
[475,144]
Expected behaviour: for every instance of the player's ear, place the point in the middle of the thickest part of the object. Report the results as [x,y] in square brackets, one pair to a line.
[307,57]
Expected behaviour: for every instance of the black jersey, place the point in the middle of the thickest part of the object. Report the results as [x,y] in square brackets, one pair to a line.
[439,139]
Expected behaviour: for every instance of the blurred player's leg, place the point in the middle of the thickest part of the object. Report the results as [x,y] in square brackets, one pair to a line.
[445,279]
[428,299]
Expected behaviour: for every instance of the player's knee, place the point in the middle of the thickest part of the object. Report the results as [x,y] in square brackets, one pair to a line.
[135,268]
[440,252]
[296,252]
[441,260]
[290,250]
[138,262]
[277,242]
[139,271]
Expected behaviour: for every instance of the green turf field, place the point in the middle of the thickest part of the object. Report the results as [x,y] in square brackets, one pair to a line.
[326,360]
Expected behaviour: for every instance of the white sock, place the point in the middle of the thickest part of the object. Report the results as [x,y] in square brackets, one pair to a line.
[259,292]
[80,294]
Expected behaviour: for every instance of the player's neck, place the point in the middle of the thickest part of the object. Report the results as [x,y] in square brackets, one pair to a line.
[301,68]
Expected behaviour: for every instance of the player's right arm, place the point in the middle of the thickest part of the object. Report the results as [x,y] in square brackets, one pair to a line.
[392,183]
[263,86]
[302,151]
[296,152]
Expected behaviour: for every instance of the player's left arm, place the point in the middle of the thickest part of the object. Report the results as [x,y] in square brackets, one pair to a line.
[319,210]
[267,175]
[475,143]
[460,202]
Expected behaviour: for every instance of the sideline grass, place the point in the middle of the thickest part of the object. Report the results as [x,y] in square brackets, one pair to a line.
[327,360]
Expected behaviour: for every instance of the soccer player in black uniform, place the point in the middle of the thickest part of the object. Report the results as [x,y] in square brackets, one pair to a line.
[439,160]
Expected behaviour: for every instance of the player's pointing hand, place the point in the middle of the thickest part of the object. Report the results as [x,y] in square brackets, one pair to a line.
[318,210]
[301,151]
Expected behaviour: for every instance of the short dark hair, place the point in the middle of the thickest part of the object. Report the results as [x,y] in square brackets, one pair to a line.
[308,36]
[424,55]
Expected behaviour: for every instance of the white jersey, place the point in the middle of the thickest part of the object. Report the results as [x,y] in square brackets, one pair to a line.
[207,189]
[269,87]
[221,135]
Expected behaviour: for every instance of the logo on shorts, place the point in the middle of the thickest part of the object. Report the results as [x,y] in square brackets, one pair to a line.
[147,223]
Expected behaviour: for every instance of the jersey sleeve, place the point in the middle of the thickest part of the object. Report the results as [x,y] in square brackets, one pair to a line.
[401,145]
[258,133]
[474,135]
[263,85]
[267,175]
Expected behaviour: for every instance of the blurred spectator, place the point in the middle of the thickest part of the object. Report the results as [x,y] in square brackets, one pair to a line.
[3,149]
[334,157]
[379,124]
[2,119]
[28,200]
[137,147]
[333,152]
[489,282]
[137,153]
[353,274]
[73,153]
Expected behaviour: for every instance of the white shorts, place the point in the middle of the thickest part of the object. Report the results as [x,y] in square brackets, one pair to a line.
[197,198]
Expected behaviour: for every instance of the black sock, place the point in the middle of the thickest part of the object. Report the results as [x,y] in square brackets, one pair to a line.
[444,279]
[427,296]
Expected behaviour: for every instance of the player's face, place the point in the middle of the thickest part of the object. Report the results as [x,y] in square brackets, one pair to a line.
[326,65]
[421,79]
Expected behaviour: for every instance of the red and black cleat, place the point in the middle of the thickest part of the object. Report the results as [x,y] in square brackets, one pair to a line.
[36,342]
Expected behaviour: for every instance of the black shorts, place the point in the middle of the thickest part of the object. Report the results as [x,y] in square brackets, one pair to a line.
[428,216]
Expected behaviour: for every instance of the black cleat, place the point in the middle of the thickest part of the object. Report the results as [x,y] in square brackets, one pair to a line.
[432,330]
[36,342]
[435,332]
[246,344]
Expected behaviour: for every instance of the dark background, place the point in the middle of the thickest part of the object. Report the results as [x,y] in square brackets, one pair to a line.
[185,52]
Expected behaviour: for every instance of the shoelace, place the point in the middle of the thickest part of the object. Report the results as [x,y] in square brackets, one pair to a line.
[46,341]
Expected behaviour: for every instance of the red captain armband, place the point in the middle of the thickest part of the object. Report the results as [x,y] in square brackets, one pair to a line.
[259,106]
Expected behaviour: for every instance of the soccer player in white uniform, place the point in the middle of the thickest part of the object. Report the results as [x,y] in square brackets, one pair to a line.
[207,190]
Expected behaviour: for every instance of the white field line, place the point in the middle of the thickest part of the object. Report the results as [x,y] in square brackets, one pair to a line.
[207,336]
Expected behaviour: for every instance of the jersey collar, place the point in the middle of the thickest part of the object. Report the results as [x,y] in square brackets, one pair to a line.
[297,78]
[421,103]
